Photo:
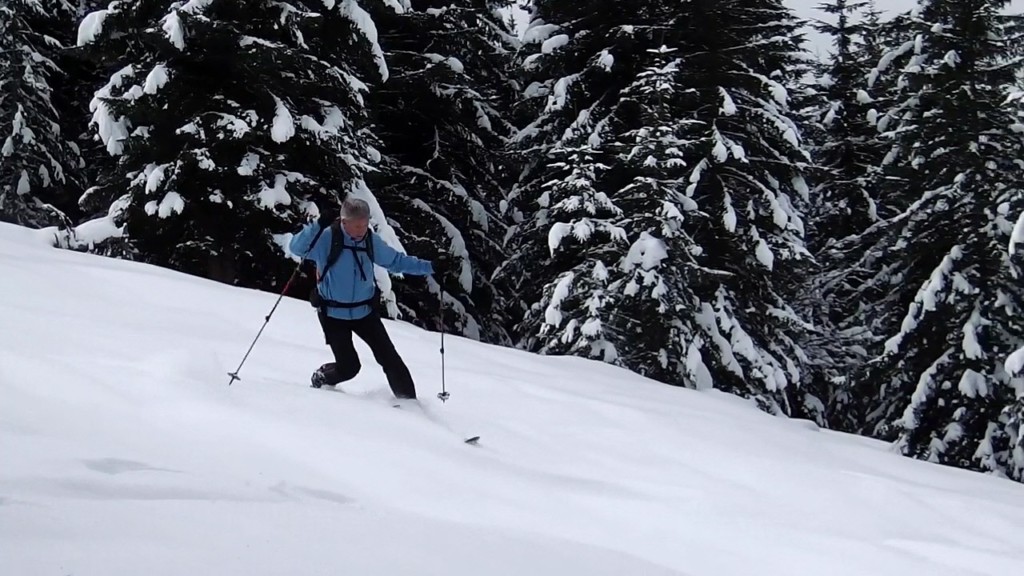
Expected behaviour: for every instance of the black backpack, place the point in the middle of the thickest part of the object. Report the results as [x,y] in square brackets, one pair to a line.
[337,246]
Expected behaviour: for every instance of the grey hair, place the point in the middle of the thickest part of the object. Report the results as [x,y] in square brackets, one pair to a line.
[355,209]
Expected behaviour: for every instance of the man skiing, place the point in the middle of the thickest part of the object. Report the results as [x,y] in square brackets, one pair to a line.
[346,294]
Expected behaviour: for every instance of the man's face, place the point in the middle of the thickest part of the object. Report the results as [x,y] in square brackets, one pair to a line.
[356,227]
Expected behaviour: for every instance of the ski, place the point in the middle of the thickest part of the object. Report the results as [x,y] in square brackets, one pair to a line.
[472,440]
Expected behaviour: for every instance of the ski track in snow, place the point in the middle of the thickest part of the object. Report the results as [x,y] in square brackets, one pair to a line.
[125,452]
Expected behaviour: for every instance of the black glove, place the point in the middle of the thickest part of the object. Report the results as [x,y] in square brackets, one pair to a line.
[328,216]
[443,264]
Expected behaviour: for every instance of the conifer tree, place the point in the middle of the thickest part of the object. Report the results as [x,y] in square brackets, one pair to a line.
[660,225]
[848,151]
[231,123]
[749,175]
[660,279]
[947,292]
[1014,364]
[39,163]
[843,203]
[567,234]
[85,72]
[443,135]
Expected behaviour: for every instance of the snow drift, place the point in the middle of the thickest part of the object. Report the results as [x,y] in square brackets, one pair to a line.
[124,452]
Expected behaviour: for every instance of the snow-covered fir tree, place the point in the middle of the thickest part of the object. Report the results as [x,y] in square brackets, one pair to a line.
[84,73]
[658,282]
[747,173]
[659,224]
[231,123]
[567,234]
[1014,364]
[848,153]
[39,163]
[443,133]
[847,150]
[945,292]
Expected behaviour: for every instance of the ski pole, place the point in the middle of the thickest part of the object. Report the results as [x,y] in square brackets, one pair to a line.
[234,375]
[444,395]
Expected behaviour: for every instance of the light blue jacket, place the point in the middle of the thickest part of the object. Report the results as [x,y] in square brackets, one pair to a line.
[343,282]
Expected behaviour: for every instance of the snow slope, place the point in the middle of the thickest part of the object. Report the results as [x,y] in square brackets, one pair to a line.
[124,452]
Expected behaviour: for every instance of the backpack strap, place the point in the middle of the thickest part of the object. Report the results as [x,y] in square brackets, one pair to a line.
[338,245]
[315,239]
[369,252]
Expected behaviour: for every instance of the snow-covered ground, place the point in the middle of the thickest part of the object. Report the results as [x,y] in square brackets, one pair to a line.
[125,452]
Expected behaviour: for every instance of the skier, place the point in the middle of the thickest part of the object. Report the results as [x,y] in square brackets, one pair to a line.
[346,294]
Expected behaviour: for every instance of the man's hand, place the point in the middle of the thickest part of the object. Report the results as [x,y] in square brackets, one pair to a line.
[328,216]
[443,264]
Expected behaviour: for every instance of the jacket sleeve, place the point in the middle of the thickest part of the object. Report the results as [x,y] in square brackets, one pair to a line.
[386,256]
[300,244]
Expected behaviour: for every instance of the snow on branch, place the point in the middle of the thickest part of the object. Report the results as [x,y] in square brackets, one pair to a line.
[477,210]
[333,123]
[762,251]
[927,298]
[270,196]
[887,59]
[1017,237]
[1015,363]
[728,105]
[196,6]
[113,130]
[554,43]
[708,320]
[538,31]
[174,29]
[156,79]
[582,229]
[92,25]
[456,244]
[284,125]
[560,93]
[563,288]
[647,252]
[925,387]
[364,23]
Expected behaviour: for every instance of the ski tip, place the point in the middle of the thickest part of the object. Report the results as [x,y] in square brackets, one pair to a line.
[472,440]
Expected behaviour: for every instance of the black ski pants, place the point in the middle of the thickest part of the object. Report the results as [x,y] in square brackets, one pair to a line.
[346,362]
